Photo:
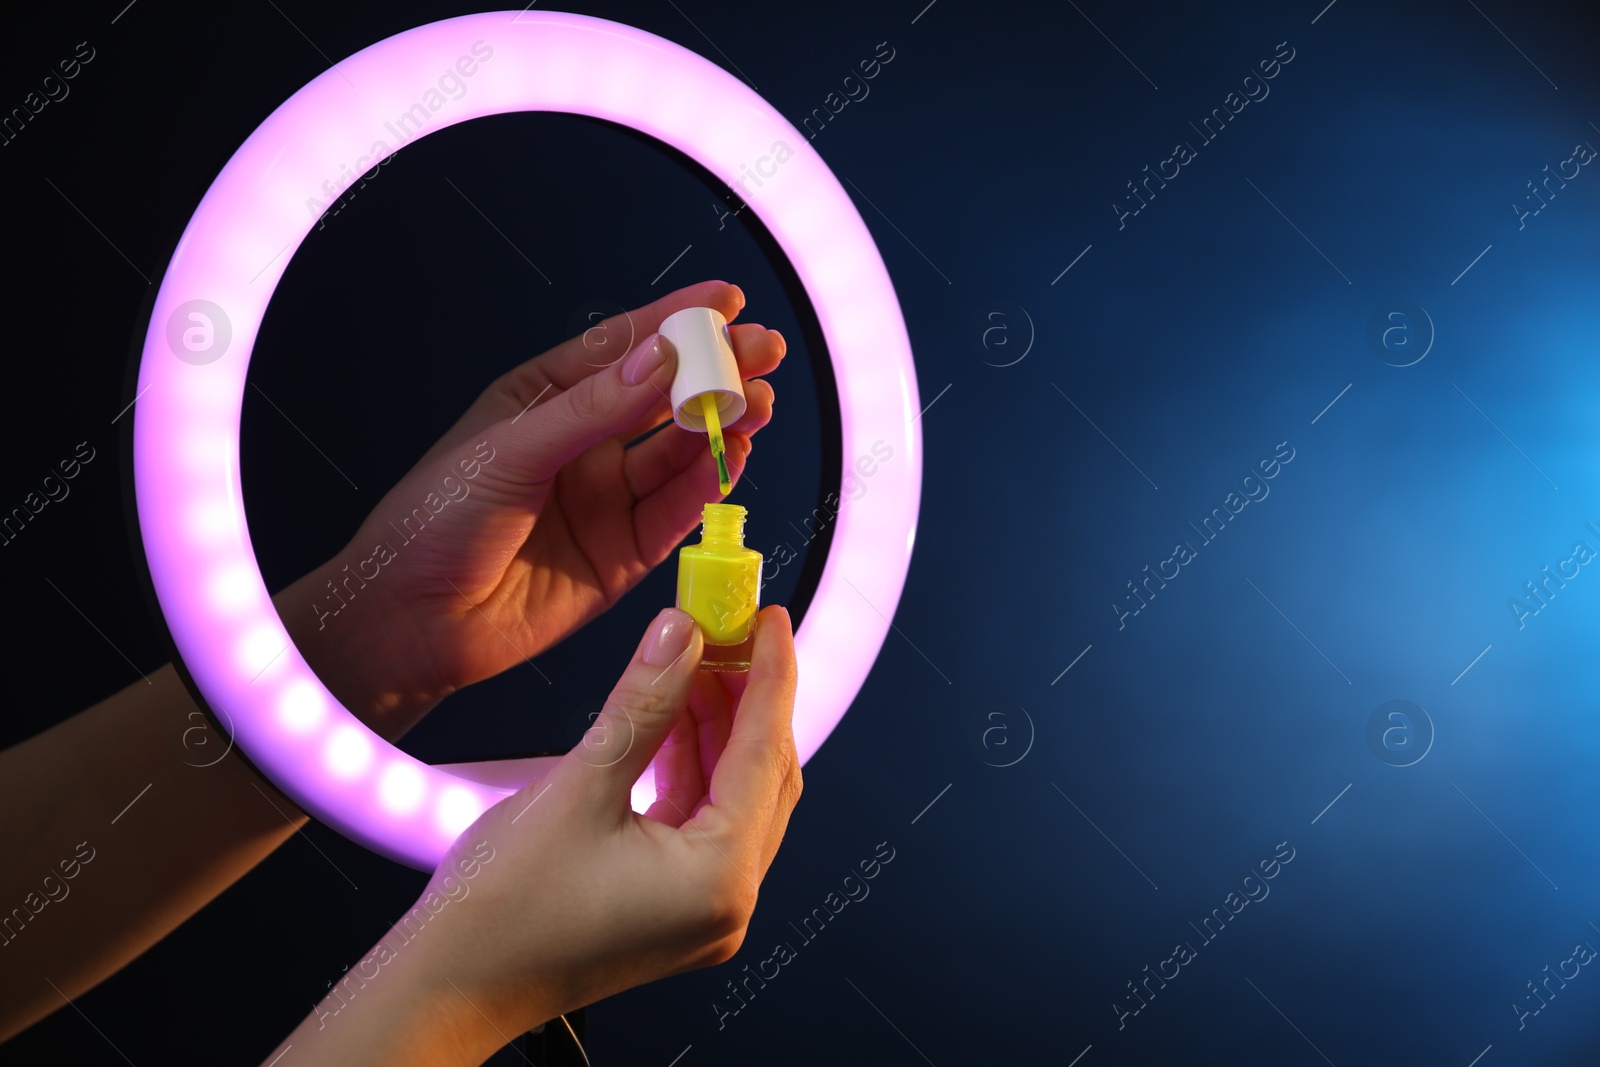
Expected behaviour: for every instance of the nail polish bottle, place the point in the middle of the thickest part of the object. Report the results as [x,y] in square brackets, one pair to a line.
[719,584]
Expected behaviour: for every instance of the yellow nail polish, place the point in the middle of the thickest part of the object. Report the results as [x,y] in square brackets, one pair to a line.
[719,584]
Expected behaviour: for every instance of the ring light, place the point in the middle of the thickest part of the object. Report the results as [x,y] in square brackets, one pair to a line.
[231,256]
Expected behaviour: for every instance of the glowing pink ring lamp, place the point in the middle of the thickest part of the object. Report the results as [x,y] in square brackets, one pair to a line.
[234,250]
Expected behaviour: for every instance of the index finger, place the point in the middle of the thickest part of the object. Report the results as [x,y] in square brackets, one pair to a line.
[760,750]
[578,357]
[569,362]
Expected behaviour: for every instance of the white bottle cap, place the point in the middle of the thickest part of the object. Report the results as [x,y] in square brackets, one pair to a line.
[705,365]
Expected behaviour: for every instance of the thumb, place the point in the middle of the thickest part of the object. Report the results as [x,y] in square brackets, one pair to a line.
[610,401]
[639,713]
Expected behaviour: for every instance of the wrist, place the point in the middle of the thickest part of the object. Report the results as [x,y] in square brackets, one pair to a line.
[395,1007]
[448,975]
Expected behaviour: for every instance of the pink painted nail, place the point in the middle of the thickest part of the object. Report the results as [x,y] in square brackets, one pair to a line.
[669,636]
[646,359]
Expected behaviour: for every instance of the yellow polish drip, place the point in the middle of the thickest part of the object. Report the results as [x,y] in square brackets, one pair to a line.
[719,584]
[719,450]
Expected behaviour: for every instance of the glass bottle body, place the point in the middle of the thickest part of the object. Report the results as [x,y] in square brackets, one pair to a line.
[719,584]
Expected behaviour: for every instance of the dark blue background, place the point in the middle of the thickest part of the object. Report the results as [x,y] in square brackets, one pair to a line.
[1181,749]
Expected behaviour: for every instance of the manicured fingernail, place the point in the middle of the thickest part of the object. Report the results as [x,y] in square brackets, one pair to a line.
[646,359]
[669,636]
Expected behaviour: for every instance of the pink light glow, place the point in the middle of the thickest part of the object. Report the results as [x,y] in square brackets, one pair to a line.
[238,244]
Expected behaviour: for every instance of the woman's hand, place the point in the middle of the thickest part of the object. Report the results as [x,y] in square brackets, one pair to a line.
[526,520]
[561,894]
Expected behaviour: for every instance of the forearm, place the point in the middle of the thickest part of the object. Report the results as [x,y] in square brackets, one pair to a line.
[140,781]
[165,829]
